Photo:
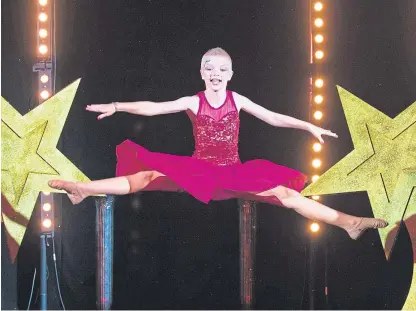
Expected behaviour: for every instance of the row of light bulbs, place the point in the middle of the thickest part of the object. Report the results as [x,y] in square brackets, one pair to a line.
[318,82]
[319,23]
[43,33]
[43,47]
[46,207]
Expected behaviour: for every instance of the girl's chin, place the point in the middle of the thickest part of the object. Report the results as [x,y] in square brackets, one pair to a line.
[216,88]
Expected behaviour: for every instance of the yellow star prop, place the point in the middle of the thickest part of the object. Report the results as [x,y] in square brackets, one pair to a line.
[30,158]
[383,163]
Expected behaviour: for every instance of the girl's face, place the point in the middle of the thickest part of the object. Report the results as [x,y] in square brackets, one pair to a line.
[216,72]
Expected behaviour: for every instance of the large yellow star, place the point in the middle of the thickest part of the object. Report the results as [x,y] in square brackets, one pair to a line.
[30,158]
[383,163]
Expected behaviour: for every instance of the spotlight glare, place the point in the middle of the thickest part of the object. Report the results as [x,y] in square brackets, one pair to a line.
[315,197]
[319,38]
[43,17]
[319,83]
[316,163]
[318,6]
[43,2]
[44,78]
[314,227]
[43,49]
[319,99]
[317,147]
[319,22]
[318,115]
[47,223]
[44,94]
[43,33]
[315,178]
[47,207]
[319,54]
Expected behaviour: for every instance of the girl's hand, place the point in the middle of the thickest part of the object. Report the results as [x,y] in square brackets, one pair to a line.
[318,132]
[106,110]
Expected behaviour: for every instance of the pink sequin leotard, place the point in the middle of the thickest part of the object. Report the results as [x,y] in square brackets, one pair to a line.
[214,171]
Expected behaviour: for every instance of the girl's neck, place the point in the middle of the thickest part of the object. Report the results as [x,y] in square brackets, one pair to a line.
[216,98]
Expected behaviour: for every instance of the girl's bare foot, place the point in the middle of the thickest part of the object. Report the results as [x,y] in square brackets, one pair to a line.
[364,224]
[75,194]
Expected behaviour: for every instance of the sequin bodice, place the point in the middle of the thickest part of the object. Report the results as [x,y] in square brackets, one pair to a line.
[216,131]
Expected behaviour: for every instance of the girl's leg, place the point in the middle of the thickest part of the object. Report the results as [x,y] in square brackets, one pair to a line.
[355,226]
[78,191]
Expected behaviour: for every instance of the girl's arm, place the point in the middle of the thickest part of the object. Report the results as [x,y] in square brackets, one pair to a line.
[279,120]
[146,108]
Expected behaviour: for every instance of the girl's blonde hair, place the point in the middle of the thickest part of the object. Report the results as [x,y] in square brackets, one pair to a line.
[217,52]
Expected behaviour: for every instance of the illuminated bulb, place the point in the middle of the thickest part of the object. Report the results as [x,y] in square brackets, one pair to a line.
[47,223]
[44,78]
[319,38]
[44,94]
[319,22]
[319,82]
[317,147]
[315,197]
[315,178]
[43,49]
[46,207]
[43,17]
[43,33]
[43,2]
[314,227]
[319,54]
[319,99]
[318,115]
[318,6]
[316,163]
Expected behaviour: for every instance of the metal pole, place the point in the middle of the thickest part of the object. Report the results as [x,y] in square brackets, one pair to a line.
[43,273]
[105,246]
[247,251]
[312,266]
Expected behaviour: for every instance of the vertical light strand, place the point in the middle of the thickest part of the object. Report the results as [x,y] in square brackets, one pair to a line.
[317,38]
[44,68]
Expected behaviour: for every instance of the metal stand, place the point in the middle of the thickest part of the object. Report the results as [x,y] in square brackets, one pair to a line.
[312,276]
[247,251]
[43,273]
[105,246]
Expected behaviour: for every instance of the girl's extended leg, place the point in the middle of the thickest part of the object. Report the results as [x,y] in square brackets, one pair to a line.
[355,226]
[78,191]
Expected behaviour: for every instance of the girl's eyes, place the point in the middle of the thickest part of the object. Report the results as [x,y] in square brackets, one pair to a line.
[222,69]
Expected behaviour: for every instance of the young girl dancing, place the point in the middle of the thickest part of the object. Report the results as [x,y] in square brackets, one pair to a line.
[214,171]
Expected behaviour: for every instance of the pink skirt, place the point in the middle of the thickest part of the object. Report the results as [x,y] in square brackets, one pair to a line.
[206,181]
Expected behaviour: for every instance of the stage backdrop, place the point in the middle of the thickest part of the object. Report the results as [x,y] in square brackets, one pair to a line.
[172,252]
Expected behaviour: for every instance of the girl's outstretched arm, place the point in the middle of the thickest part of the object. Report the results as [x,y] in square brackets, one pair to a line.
[145,108]
[280,120]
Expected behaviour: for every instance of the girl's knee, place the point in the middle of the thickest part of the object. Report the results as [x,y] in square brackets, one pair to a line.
[140,180]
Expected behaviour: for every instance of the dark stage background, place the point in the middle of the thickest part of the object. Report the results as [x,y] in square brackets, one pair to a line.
[172,251]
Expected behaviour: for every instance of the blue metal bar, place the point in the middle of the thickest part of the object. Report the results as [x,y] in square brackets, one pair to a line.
[43,273]
[105,246]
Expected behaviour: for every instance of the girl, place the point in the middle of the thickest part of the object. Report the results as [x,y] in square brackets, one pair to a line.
[214,172]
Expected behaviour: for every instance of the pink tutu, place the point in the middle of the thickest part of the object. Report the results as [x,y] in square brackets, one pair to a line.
[214,171]
[206,181]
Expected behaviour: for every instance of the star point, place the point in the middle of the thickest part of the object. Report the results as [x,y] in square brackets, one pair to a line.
[30,157]
[383,157]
